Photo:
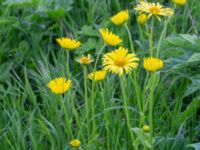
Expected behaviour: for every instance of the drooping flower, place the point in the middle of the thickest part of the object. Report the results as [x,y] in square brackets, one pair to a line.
[179,2]
[153,9]
[120,61]
[153,64]
[97,75]
[120,18]
[75,143]
[142,18]
[85,60]
[146,128]
[67,43]
[110,38]
[59,85]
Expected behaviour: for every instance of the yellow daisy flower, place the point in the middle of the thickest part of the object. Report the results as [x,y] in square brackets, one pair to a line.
[179,2]
[153,64]
[68,43]
[142,18]
[153,9]
[110,38]
[97,75]
[85,60]
[75,143]
[59,85]
[119,61]
[120,18]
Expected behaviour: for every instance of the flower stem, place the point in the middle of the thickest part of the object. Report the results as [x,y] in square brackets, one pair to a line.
[66,116]
[151,37]
[162,36]
[68,70]
[93,86]
[97,59]
[122,82]
[86,97]
[151,99]
[130,38]
[105,116]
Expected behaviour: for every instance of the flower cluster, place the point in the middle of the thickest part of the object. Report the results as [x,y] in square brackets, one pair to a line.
[118,60]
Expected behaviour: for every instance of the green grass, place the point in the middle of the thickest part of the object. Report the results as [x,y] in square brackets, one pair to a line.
[32,117]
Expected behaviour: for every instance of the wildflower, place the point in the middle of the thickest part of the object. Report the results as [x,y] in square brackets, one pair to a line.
[153,64]
[75,143]
[120,18]
[97,75]
[146,128]
[153,9]
[85,60]
[110,38]
[68,43]
[59,85]
[179,2]
[119,61]
[142,18]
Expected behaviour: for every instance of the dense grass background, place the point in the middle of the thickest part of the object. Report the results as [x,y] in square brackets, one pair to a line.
[31,117]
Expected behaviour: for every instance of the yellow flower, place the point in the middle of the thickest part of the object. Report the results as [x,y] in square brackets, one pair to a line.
[68,43]
[75,143]
[120,18]
[153,9]
[85,60]
[59,85]
[97,75]
[110,38]
[142,18]
[119,61]
[179,2]
[146,128]
[153,64]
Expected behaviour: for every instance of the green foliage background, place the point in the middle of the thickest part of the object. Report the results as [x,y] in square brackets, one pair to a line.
[30,57]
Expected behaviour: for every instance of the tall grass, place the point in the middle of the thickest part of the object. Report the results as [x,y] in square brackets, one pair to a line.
[108,115]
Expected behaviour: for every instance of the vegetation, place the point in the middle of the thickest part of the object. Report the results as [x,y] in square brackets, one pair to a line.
[146,94]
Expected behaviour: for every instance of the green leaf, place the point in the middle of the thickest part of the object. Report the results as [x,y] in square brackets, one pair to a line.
[190,110]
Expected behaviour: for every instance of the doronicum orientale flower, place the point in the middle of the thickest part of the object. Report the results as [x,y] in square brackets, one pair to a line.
[97,75]
[110,38]
[85,60]
[120,61]
[179,2]
[75,143]
[152,64]
[120,18]
[142,18]
[146,128]
[59,85]
[67,43]
[153,9]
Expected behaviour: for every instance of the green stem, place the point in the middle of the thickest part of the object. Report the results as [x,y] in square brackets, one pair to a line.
[105,116]
[66,116]
[86,98]
[122,83]
[145,88]
[151,100]
[151,37]
[68,70]
[138,97]
[98,55]
[162,36]
[93,86]
[130,38]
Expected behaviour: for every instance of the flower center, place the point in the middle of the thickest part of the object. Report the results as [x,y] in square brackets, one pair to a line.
[120,62]
[85,60]
[154,10]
